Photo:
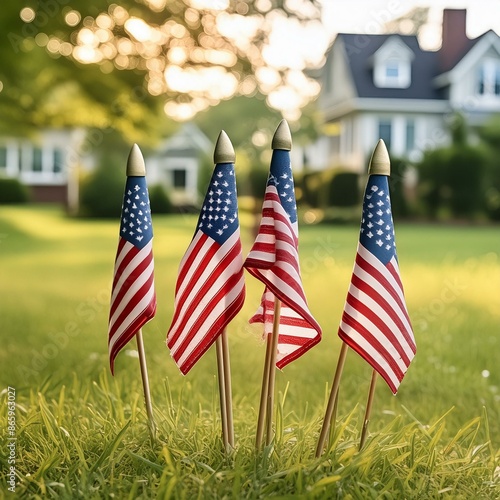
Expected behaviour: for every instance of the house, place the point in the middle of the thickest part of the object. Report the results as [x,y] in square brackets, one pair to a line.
[387,86]
[45,164]
[176,164]
[49,164]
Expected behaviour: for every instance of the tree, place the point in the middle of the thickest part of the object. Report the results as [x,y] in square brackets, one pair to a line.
[71,62]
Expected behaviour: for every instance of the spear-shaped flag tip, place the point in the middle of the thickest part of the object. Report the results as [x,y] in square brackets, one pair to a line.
[282,138]
[135,163]
[380,163]
[224,151]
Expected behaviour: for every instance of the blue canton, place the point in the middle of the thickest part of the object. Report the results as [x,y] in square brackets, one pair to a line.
[281,176]
[219,214]
[136,225]
[377,228]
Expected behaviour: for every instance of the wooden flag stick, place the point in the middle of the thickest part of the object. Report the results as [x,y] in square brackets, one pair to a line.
[368,411]
[145,385]
[332,401]
[228,388]
[222,391]
[272,371]
[263,396]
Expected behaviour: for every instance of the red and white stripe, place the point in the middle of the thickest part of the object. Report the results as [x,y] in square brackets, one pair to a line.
[274,260]
[375,322]
[210,291]
[133,298]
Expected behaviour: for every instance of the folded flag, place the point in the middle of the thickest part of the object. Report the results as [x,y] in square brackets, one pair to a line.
[274,259]
[375,322]
[133,298]
[210,287]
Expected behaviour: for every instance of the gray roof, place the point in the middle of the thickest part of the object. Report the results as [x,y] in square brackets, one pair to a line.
[425,66]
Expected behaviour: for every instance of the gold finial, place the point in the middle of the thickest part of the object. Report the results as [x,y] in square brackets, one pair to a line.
[380,162]
[135,163]
[282,138]
[224,151]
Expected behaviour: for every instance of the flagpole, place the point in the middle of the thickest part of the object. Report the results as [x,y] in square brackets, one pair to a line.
[228,389]
[369,404]
[272,371]
[222,391]
[263,395]
[137,168]
[332,401]
[145,385]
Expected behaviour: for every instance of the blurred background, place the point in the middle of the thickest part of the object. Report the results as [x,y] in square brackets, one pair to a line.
[80,81]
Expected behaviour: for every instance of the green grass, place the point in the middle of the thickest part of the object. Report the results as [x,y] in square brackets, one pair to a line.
[82,433]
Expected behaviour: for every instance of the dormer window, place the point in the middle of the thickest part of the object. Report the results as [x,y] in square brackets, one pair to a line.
[392,73]
[392,65]
[489,79]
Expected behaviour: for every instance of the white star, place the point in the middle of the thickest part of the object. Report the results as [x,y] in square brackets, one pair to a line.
[225,184]
[219,191]
[211,200]
[139,238]
[131,224]
[290,199]
[380,222]
[387,228]
[379,243]
[223,217]
[370,225]
[388,211]
[370,215]
[380,232]
[370,205]
[380,213]
[129,201]
[380,193]
[219,231]
[388,247]
[226,209]
[380,203]
[228,201]
[370,234]
[219,174]
[374,188]
[137,188]
[388,237]
[216,183]
[225,226]
[209,226]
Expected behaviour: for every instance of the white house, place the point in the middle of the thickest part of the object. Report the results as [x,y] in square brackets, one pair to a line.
[49,164]
[386,86]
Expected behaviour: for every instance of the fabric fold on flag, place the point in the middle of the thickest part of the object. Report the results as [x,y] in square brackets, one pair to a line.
[274,260]
[210,287]
[375,322]
[133,298]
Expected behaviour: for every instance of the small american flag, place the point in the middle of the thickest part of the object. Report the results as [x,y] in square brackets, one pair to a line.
[274,260]
[210,288]
[375,322]
[133,299]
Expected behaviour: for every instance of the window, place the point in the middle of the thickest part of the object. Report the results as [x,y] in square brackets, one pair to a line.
[179,178]
[3,157]
[37,160]
[392,73]
[385,132]
[410,135]
[58,161]
[392,69]
[489,79]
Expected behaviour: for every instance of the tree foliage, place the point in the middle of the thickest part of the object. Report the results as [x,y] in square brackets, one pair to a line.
[76,63]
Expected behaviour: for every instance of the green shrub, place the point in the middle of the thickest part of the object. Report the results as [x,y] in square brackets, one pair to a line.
[12,191]
[453,180]
[343,190]
[101,194]
[159,200]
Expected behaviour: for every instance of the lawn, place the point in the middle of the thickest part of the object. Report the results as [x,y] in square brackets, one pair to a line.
[82,433]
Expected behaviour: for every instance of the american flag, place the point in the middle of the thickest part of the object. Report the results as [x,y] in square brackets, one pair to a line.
[210,288]
[274,260]
[133,298]
[375,322]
